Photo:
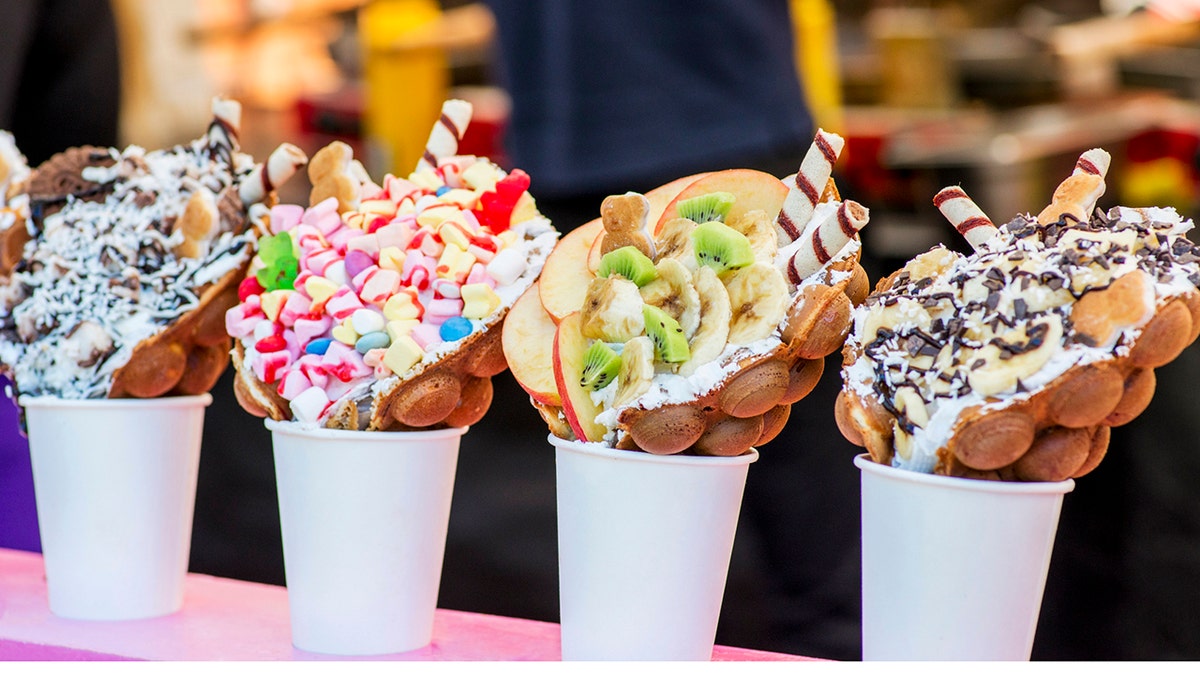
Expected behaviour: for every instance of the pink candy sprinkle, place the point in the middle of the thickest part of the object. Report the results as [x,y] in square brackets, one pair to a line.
[342,304]
[308,328]
[268,366]
[293,384]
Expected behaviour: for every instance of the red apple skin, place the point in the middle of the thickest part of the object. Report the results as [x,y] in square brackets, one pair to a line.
[569,348]
[753,189]
[528,342]
[565,276]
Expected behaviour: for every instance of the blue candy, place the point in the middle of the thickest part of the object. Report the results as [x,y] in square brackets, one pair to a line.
[318,346]
[376,340]
[442,190]
[455,328]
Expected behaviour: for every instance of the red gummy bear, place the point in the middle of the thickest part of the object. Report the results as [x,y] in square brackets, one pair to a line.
[496,206]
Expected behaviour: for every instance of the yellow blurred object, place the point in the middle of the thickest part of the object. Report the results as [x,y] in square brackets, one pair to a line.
[815,31]
[406,81]
[1162,182]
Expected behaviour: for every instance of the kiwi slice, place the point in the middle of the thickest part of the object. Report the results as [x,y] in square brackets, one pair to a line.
[721,247]
[629,262]
[600,366]
[670,344]
[711,206]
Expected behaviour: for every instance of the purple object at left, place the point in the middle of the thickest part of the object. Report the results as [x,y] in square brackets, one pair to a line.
[18,513]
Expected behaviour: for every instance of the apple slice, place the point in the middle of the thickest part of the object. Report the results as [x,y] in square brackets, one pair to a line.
[753,189]
[569,348]
[565,276]
[528,342]
[659,198]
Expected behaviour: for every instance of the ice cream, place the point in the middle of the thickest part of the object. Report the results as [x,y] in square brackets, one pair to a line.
[134,254]
[379,307]
[689,319]
[1013,362]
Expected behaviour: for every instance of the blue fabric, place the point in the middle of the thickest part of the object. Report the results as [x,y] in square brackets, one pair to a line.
[607,93]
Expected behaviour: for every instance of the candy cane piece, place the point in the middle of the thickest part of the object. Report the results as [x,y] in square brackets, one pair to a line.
[810,180]
[828,237]
[446,133]
[283,163]
[1076,196]
[965,215]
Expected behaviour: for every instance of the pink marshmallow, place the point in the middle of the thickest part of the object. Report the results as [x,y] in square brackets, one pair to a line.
[427,335]
[379,285]
[320,260]
[308,329]
[285,217]
[395,234]
[324,216]
[314,370]
[479,275]
[340,237]
[240,320]
[297,305]
[293,384]
[440,309]
[367,243]
[447,288]
[343,303]
[270,366]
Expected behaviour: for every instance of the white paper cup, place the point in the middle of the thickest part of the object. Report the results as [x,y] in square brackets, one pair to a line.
[364,518]
[643,550]
[115,485]
[953,569]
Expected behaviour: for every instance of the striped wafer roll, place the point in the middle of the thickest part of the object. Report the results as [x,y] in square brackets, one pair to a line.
[225,127]
[1076,196]
[826,239]
[280,166]
[965,215]
[446,133]
[805,193]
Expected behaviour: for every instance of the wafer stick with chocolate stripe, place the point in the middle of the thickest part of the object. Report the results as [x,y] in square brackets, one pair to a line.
[805,192]
[279,167]
[446,133]
[827,238]
[226,126]
[1076,196]
[965,215]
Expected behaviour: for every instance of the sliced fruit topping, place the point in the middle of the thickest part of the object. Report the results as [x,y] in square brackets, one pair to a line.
[637,370]
[721,247]
[528,342]
[578,407]
[713,333]
[612,310]
[674,293]
[600,366]
[675,242]
[629,262]
[706,207]
[758,299]
[670,344]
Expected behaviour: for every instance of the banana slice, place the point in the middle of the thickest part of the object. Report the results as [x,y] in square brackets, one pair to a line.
[674,293]
[637,370]
[988,373]
[904,312]
[715,314]
[675,241]
[612,310]
[759,229]
[758,299]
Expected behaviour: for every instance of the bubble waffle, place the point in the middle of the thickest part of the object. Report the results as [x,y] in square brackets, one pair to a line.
[133,259]
[760,297]
[1013,363]
[380,307]
[14,202]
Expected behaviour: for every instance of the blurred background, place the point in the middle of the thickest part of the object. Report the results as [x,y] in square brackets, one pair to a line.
[1000,96]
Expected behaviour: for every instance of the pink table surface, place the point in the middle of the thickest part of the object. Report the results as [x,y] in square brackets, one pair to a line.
[223,619]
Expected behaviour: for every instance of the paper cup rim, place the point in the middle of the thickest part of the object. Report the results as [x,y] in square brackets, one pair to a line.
[599,450]
[866,464]
[41,401]
[292,428]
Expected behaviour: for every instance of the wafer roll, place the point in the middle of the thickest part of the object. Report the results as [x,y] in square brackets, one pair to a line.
[225,127]
[446,133]
[805,193]
[965,215]
[280,166]
[826,240]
